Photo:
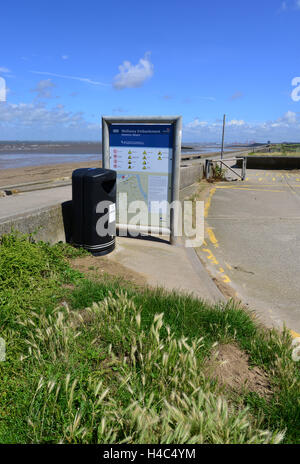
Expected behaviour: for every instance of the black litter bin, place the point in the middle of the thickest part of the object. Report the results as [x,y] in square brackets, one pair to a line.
[94,209]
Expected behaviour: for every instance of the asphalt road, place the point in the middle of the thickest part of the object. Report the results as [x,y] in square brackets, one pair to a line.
[253,243]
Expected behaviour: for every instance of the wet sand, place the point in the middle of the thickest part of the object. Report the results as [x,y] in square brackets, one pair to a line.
[15,176]
[50,147]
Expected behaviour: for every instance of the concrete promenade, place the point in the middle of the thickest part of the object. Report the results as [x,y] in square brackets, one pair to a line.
[29,203]
[253,243]
[48,212]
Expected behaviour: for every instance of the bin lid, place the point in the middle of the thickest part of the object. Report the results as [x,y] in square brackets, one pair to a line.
[94,174]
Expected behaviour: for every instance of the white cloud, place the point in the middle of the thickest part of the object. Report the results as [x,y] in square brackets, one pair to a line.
[44,88]
[65,57]
[36,121]
[290,5]
[290,117]
[131,76]
[235,122]
[30,121]
[4,70]
[286,127]
[76,78]
[196,123]
[283,6]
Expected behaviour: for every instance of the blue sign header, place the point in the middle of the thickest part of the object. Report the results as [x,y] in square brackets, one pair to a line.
[141,135]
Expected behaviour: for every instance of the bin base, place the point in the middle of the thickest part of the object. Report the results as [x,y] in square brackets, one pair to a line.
[98,250]
[103,252]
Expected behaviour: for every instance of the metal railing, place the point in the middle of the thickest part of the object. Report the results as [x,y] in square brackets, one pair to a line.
[209,164]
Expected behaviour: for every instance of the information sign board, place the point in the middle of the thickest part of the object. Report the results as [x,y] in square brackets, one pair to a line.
[145,152]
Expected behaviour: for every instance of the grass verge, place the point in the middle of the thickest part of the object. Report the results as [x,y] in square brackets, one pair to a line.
[291,149]
[104,361]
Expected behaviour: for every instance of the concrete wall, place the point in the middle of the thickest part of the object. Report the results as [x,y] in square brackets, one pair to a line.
[190,174]
[53,224]
[271,162]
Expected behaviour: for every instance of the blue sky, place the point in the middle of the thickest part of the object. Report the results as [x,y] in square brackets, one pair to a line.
[65,63]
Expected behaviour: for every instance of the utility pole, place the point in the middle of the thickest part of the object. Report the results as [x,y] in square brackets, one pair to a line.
[222,149]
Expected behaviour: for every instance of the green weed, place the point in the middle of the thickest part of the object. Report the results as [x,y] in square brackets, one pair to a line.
[107,362]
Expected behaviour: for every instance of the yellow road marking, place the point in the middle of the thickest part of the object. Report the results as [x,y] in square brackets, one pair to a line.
[208,202]
[214,240]
[212,237]
[265,184]
[211,256]
[294,334]
[224,277]
[252,189]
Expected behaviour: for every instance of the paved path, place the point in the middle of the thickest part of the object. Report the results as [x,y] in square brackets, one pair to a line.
[253,242]
[163,265]
[15,205]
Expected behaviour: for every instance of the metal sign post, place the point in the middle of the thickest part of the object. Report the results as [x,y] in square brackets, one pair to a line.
[222,148]
[145,151]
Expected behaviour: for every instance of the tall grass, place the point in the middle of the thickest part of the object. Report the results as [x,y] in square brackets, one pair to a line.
[104,362]
[157,393]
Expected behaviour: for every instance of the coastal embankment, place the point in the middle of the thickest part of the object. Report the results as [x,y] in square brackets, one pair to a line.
[42,173]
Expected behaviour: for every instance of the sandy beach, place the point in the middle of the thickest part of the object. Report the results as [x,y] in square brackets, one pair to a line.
[39,173]
[50,147]
[23,162]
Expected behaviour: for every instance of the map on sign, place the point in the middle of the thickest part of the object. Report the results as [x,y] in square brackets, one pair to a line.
[142,156]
